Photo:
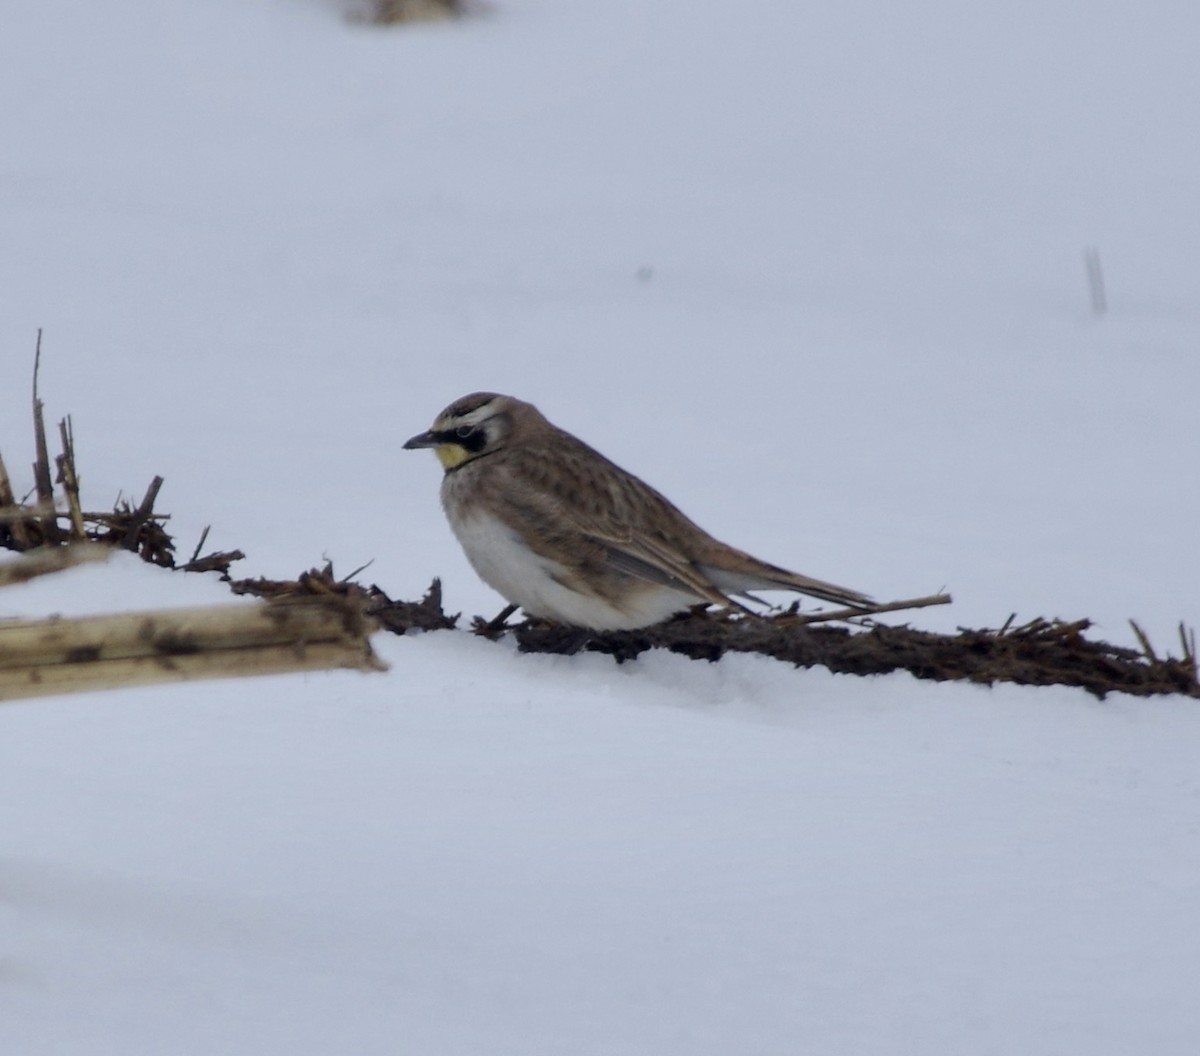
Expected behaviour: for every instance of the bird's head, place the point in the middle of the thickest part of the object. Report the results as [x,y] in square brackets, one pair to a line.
[472,426]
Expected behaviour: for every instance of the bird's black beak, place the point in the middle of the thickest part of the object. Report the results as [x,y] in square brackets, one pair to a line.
[430,439]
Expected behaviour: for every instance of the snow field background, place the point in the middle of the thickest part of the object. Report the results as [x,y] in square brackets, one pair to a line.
[815,273]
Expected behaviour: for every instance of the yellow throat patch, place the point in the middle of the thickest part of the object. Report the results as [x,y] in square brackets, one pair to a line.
[451,455]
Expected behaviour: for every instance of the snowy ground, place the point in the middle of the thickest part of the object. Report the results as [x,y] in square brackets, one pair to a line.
[816,273]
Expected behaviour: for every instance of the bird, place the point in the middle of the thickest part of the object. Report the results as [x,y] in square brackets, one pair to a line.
[572,538]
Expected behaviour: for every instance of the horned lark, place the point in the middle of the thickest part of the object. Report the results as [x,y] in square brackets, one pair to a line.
[570,537]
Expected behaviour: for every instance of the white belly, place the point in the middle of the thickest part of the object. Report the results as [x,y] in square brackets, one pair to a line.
[524,578]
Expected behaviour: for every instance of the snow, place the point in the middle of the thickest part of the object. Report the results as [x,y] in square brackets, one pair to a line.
[816,273]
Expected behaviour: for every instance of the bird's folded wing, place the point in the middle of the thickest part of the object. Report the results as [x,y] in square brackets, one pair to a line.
[657,563]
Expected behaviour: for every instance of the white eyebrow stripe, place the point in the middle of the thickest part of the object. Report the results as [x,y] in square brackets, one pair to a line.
[480,414]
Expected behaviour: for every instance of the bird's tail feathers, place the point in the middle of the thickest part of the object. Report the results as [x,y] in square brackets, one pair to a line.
[768,577]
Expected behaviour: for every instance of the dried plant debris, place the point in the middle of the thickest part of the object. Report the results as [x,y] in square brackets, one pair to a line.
[56,517]
[401,616]
[218,561]
[1039,653]
[397,616]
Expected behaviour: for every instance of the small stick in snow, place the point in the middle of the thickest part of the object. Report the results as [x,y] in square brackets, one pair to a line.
[1095,277]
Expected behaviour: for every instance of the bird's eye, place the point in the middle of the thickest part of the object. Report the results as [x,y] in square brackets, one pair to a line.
[464,431]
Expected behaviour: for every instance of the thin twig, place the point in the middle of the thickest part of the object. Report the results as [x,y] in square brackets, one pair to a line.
[69,478]
[361,568]
[1187,638]
[41,468]
[1147,648]
[871,610]
[200,545]
[141,515]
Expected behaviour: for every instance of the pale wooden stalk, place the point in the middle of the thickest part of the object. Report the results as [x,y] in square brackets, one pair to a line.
[59,655]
